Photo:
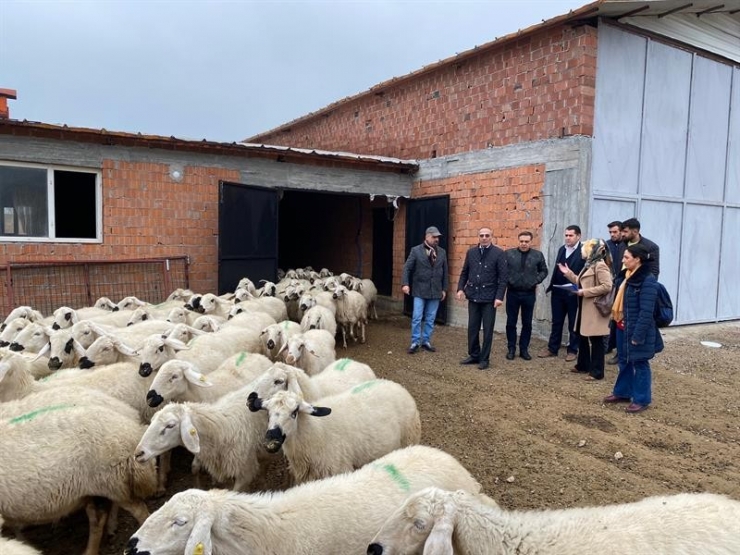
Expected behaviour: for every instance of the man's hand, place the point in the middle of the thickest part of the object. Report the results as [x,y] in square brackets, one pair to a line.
[444,295]
[460,295]
[497,303]
[406,290]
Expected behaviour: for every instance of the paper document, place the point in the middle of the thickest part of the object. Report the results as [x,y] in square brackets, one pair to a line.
[569,287]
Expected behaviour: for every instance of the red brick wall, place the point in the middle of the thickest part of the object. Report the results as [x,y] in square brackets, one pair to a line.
[538,87]
[146,215]
[508,201]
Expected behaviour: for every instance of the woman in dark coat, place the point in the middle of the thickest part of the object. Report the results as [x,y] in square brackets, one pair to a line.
[638,337]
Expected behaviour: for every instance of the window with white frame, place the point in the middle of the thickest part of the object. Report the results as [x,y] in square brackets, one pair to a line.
[49,203]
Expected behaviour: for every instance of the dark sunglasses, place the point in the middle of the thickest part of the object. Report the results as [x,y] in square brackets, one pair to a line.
[484,235]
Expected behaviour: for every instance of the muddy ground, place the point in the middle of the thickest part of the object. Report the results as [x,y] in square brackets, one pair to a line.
[534,434]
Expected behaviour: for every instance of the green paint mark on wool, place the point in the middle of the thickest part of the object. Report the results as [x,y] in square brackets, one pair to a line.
[285,325]
[397,477]
[365,385]
[240,359]
[31,415]
[342,364]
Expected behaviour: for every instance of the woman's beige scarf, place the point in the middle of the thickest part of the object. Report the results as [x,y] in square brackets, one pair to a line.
[618,306]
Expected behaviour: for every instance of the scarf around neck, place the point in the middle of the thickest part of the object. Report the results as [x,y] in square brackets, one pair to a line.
[618,306]
[431,253]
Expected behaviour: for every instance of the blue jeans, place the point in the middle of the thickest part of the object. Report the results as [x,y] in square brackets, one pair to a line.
[634,380]
[426,309]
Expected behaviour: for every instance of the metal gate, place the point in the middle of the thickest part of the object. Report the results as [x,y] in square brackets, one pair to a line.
[248,234]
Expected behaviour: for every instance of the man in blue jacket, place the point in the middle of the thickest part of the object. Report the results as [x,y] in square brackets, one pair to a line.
[483,282]
[425,278]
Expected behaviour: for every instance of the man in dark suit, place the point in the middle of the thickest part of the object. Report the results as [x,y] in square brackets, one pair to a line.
[562,302]
[631,236]
[616,249]
[483,282]
[425,278]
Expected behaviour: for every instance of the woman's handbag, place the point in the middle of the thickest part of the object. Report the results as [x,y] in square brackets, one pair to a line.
[604,302]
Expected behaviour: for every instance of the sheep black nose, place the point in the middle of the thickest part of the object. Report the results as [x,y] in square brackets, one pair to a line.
[54,363]
[374,549]
[4,343]
[16,347]
[86,363]
[145,369]
[131,548]
[153,398]
[55,326]
[270,344]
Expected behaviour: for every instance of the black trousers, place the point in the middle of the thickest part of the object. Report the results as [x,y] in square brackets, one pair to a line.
[517,301]
[479,313]
[563,304]
[591,355]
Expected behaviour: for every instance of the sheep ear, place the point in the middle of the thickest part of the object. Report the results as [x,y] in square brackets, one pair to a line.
[175,344]
[123,348]
[199,542]
[79,349]
[439,541]
[43,351]
[189,434]
[196,378]
[313,411]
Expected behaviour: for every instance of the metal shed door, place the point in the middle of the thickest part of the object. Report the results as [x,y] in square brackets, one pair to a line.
[248,234]
[420,214]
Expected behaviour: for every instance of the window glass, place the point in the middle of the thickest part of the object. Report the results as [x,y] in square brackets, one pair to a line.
[23,198]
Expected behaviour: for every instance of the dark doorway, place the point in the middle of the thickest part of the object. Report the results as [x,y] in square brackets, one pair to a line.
[383,249]
[247,230]
[420,214]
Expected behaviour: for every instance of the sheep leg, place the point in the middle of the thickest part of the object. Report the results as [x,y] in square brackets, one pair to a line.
[344,335]
[163,471]
[195,467]
[362,328]
[137,509]
[97,510]
[375,313]
[112,525]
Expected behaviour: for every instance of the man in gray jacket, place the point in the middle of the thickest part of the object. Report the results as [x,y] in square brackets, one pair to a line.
[527,269]
[425,278]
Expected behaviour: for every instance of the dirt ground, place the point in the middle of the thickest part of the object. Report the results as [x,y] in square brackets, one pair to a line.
[534,434]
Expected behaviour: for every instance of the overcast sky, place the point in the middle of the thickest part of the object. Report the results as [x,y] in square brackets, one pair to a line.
[225,71]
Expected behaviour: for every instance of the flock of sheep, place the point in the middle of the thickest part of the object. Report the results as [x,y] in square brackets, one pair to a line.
[94,400]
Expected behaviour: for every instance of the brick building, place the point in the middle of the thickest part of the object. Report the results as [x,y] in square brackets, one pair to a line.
[615,110]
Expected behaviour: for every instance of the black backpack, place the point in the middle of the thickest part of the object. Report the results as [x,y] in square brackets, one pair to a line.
[663,313]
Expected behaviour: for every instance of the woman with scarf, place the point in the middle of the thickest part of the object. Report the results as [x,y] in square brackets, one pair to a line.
[638,337]
[594,280]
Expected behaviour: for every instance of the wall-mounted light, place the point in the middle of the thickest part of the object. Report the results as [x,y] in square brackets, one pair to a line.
[176,172]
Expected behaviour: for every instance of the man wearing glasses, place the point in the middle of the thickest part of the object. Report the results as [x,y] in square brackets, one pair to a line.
[483,282]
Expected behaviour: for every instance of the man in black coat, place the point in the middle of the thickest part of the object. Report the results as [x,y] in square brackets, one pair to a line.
[562,302]
[483,282]
[425,278]
[527,269]
[631,236]
[616,249]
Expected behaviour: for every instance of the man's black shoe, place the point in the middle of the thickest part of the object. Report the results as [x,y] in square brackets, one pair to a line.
[483,365]
[428,347]
[469,360]
[414,347]
[525,355]
[510,355]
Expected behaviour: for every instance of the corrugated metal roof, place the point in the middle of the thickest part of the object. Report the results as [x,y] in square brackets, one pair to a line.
[614,9]
[120,138]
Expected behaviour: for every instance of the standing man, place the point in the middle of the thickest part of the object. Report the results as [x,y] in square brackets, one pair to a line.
[483,282]
[526,270]
[631,236]
[562,301]
[616,249]
[425,278]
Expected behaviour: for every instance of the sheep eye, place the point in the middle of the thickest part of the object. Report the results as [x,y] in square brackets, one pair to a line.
[161,349]
[169,426]
[420,525]
[294,414]
[180,521]
[279,382]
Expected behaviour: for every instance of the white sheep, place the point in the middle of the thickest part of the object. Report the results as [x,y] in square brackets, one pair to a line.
[334,516]
[208,323]
[48,472]
[65,317]
[273,307]
[267,289]
[438,522]
[319,318]
[210,304]
[25,312]
[367,289]
[224,435]
[17,375]
[32,338]
[106,304]
[63,350]
[181,315]
[11,329]
[180,381]
[351,312]
[13,547]
[312,350]
[317,297]
[368,421]
[180,294]
[275,336]
[120,345]
[339,376]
